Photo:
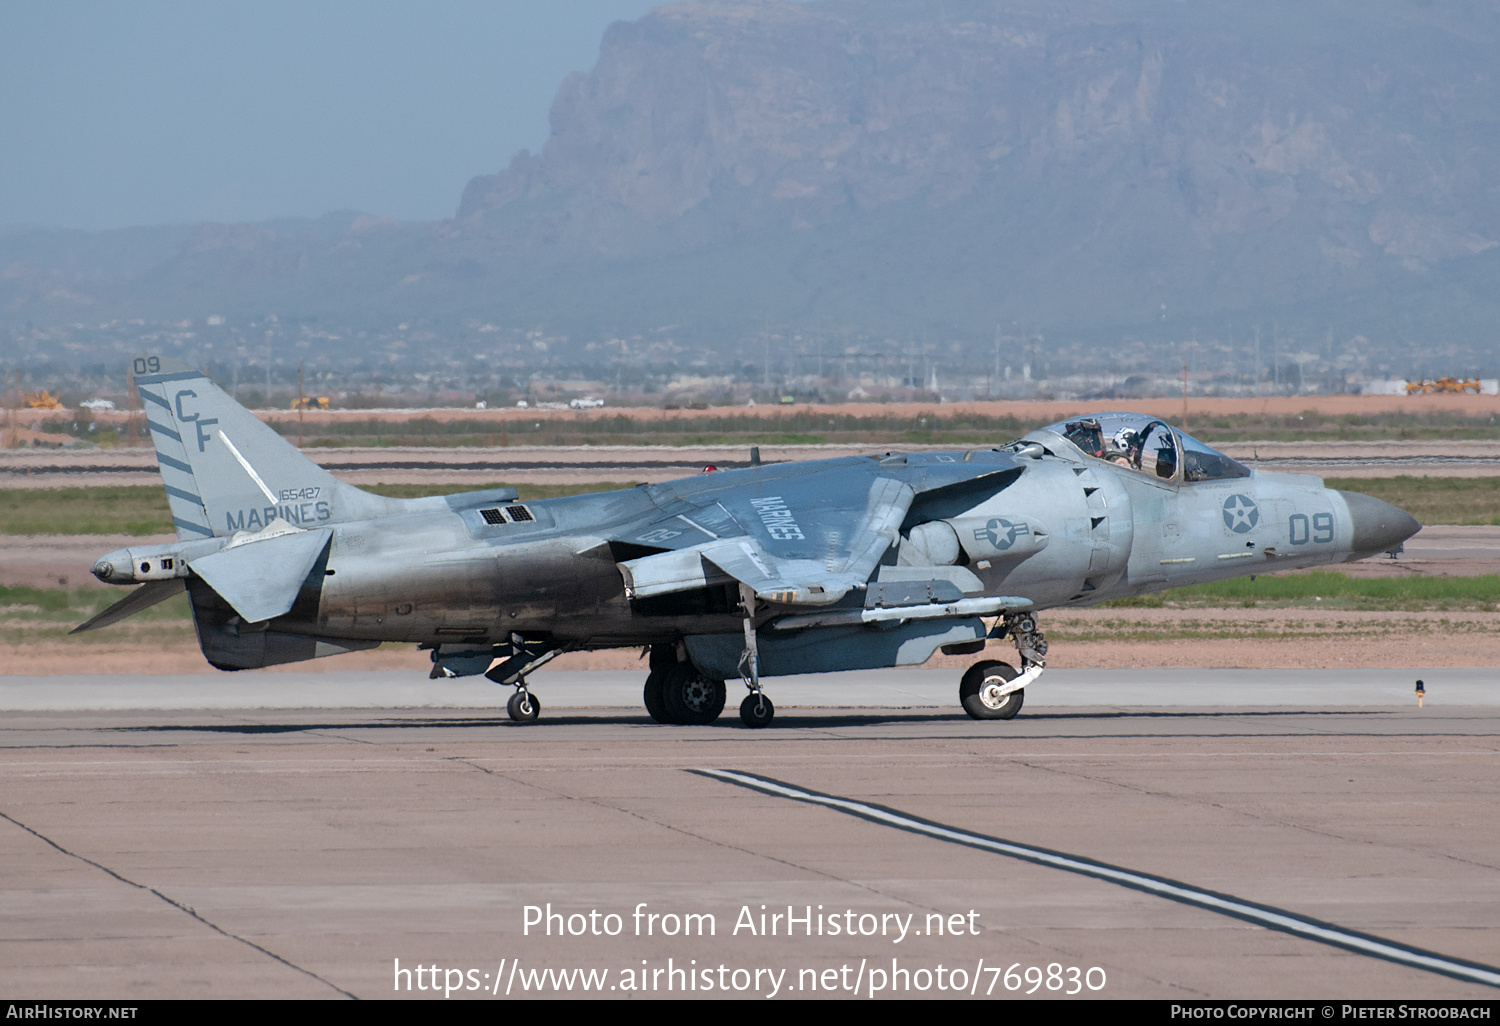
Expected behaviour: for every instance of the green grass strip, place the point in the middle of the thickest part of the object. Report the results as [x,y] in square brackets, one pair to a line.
[1432,500]
[142,509]
[26,603]
[1331,586]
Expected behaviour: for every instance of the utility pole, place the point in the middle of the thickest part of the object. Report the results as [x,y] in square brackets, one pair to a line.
[765,326]
[1184,396]
[820,366]
[130,405]
[301,406]
[1275,356]
[995,379]
[9,437]
[1257,359]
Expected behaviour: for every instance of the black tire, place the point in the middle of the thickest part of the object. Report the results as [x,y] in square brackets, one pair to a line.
[691,697]
[756,711]
[663,657]
[523,707]
[978,703]
[656,701]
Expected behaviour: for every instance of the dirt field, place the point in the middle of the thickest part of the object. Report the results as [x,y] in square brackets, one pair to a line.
[1040,412]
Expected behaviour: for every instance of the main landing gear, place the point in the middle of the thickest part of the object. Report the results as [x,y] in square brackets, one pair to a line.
[676,692]
[992,690]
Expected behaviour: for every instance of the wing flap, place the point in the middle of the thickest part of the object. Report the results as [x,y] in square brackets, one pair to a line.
[261,579]
[880,527]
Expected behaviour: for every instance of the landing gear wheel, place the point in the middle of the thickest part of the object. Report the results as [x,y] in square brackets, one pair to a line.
[978,691]
[691,697]
[656,701]
[523,706]
[756,711]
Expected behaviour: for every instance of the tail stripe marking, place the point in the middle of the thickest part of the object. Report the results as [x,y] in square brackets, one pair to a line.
[270,495]
[183,495]
[156,379]
[154,426]
[183,490]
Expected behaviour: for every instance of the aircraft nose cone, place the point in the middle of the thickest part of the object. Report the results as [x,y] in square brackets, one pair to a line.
[1378,526]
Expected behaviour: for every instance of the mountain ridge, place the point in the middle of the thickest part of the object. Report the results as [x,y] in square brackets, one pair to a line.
[1109,169]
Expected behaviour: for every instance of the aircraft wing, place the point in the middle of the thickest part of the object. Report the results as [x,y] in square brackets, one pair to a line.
[798,547]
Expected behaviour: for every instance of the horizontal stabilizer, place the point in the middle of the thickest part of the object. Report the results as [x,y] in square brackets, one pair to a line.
[261,579]
[144,597]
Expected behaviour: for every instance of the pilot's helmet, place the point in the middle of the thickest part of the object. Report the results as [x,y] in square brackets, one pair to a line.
[1127,440]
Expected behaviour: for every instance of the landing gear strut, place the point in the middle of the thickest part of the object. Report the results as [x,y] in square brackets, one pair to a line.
[992,690]
[756,710]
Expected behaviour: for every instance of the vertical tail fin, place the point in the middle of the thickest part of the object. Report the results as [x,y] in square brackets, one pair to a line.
[226,471]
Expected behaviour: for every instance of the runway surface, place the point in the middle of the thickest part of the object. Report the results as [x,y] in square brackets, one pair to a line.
[222,851]
[862,689]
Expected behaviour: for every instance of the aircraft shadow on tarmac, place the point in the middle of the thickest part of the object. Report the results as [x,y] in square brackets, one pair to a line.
[783,721]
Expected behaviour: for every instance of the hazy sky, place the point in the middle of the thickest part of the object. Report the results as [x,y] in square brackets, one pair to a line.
[147,112]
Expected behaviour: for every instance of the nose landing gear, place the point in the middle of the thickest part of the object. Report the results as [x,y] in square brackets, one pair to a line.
[982,691]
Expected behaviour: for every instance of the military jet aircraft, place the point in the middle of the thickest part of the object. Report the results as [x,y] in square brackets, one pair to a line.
[750,573]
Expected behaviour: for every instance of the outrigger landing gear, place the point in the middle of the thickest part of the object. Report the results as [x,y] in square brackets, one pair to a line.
[992,690]
[756,710]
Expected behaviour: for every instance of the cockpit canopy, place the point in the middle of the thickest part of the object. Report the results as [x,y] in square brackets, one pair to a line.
[1147,445]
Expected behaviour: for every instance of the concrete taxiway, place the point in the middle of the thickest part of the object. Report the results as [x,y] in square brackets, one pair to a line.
[213,850]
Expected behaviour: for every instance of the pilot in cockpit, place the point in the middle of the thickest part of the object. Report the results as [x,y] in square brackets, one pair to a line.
[1125,449]
[1087,435]
[1148,446]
